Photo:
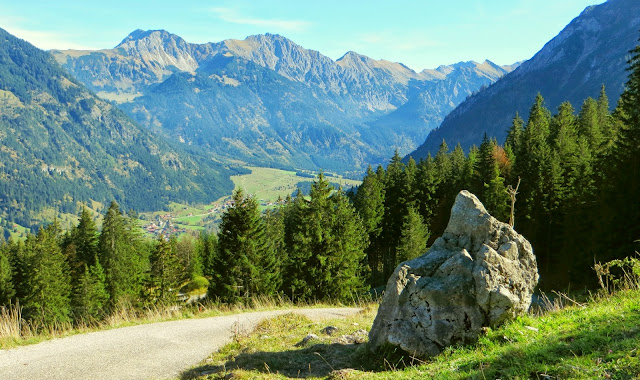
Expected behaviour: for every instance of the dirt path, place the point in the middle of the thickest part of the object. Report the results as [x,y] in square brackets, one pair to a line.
[152,351]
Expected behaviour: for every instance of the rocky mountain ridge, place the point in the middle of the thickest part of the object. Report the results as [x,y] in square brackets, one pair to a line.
[266,100]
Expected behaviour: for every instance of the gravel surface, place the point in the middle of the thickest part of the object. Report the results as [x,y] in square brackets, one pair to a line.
[152,351]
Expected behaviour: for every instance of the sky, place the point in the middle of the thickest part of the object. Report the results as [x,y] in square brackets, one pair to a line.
[420,34]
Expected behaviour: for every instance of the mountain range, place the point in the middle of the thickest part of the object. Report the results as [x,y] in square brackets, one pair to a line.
[60,144]
[589,52]
[267,101]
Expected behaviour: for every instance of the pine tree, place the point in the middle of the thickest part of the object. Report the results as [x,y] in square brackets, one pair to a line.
[276,252]
[48,288]
[296,283]
[514,135]
[122,256]
[90,296]
[589,125]
[413,241]
[164,279]
[85,238]
[241,245]
[623,173]
[207,247]
[495,196]
[397,191]
[7,291]
[346,251]
[369,203]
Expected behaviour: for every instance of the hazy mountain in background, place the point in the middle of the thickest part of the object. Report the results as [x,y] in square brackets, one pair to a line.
[268,101]
[591,51]
[60,145]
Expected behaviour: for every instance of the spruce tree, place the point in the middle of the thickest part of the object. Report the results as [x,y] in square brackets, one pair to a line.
[413,241]
[122,256]
[48,287]
[90,296]
[165,276]
[296,283]
[276,252]
[85,238]
[369,203]
[623,173]
[241,245]
[7,291]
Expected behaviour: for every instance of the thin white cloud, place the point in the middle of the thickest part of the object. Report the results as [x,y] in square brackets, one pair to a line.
[231,15]
[46,40]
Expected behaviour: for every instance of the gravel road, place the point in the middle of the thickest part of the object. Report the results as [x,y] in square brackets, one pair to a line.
[152,351]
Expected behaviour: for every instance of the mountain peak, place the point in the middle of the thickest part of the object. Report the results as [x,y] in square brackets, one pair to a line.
[139,34]
[167,49]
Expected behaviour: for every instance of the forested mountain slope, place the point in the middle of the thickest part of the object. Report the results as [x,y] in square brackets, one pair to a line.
[268,101]
[60,144]
[591,51]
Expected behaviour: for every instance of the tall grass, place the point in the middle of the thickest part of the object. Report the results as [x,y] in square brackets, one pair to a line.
[12,326]
[15,330]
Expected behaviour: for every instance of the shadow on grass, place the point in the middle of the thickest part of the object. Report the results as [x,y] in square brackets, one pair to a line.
[318,360]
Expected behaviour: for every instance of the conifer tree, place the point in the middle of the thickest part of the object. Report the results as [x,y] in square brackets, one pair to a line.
[427,185]
[589,125]
[7,291]
[241,245]
[207,247]
[121,255]
[85,238]
[623,173]
[90,296]
[369,203]
[413,241]
[296,283]
[276,252]
[515,133]
[346,251]
[164,279]
[48,287]
[397,192]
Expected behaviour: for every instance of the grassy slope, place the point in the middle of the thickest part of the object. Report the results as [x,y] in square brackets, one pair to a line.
[599,340]
[266,184]
[269,184]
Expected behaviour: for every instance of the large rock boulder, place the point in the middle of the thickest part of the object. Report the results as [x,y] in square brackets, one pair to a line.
[479,273]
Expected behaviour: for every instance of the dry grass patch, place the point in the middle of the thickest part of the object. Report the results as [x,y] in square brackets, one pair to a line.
[277,348]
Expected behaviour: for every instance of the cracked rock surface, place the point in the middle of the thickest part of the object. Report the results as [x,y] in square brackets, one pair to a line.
[479,273]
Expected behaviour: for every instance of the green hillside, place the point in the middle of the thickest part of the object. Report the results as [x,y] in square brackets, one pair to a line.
[60,145]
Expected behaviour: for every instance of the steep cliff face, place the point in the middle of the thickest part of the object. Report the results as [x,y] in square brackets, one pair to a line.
[268,101]
[591,51]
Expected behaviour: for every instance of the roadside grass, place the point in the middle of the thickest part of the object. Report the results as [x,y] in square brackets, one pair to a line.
[16,331]
[599,339]
[276,349]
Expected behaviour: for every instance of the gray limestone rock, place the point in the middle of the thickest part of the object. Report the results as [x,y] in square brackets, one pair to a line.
[479,273]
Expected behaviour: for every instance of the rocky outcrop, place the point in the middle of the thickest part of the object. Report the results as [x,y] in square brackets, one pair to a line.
[479,273]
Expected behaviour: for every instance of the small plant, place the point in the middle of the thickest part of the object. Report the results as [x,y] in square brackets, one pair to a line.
[619,274]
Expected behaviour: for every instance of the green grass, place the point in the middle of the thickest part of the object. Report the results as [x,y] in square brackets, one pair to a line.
[265,184]
[268,184]
[595,341]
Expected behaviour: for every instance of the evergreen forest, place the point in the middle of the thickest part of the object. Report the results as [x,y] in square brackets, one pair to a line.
[577,175]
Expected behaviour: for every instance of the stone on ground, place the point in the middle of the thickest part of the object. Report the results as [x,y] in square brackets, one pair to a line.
[479,273]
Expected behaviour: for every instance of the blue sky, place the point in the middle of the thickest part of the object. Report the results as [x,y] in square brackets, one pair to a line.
[421,34]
